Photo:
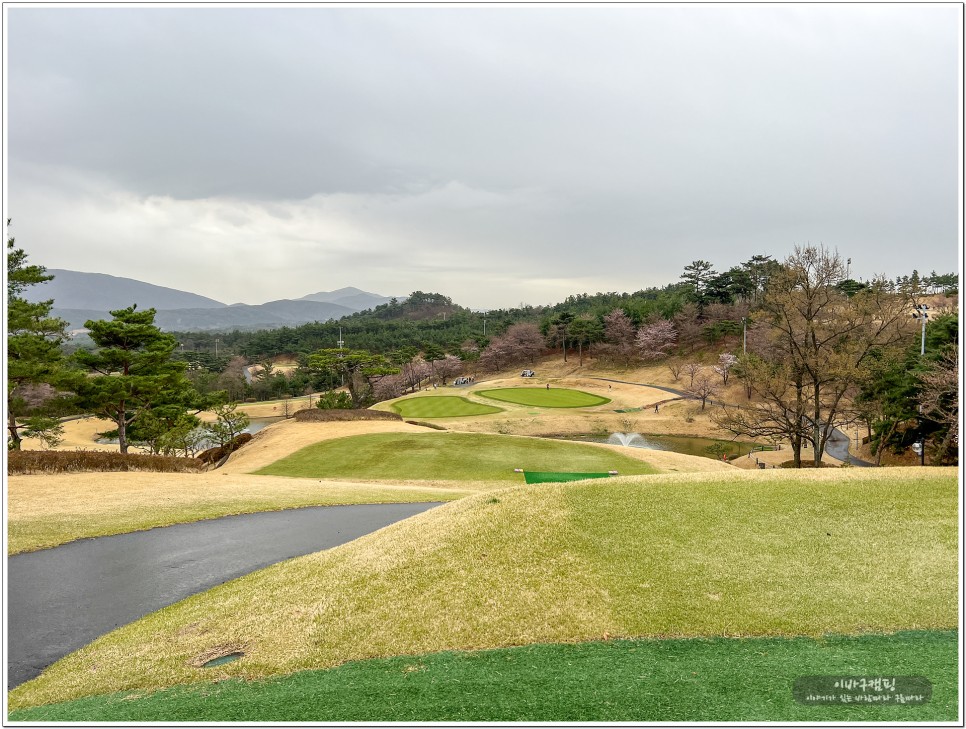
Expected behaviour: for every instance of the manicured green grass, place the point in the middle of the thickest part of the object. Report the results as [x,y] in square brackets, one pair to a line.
[442,406]
[706,680]
[447,456]
[555,397]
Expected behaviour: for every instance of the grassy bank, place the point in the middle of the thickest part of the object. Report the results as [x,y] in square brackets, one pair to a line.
[455,456]
[626,680]
[738,554]
[44,511]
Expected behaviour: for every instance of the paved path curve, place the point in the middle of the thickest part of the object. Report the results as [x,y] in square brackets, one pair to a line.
[61,599]
[837,445]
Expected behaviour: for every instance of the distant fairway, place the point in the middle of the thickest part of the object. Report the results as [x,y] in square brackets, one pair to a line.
[448,456]
[444,406]
[544,398]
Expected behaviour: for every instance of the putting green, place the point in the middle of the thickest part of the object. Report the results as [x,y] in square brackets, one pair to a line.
[444,406]
[448,456]
[544,398]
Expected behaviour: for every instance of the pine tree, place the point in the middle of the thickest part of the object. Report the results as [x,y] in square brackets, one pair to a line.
[33,338]
[132,370]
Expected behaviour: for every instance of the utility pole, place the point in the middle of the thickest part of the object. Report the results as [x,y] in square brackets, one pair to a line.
[922,312]
[744,335]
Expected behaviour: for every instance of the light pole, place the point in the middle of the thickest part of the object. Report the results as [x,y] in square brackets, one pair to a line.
[744,335]
[922,313]
[340,343]
[216,347]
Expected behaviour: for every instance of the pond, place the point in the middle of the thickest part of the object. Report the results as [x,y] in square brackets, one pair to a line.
[689,445]
[254,425]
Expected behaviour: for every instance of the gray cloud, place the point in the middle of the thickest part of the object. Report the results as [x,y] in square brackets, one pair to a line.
[496,154]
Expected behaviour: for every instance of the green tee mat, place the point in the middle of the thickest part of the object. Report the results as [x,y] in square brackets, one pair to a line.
[553,477]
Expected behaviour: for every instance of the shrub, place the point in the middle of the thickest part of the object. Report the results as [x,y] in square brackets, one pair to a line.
[334,401]
[434,426]
[214,455]
[315,415]
[807,462]
[22,462]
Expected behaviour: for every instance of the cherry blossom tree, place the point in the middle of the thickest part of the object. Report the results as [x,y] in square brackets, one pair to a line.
[655,340]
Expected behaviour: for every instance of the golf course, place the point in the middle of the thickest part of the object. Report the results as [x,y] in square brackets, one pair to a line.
[678,588]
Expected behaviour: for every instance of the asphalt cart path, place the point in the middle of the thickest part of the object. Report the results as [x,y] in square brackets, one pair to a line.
[61,599]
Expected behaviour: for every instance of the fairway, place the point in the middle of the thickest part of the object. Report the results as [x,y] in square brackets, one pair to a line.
[625,680]
[447,456]
[544,398]
[444,406]
[747,554]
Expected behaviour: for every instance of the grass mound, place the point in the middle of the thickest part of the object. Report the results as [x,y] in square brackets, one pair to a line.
[557,397]
[698,555]
[443,406]
[447,456]
[627,680]
[24,462]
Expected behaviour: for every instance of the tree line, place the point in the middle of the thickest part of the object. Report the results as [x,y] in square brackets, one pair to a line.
[823,351]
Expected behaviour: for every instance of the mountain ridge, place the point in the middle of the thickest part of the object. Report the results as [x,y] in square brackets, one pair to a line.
[80,296]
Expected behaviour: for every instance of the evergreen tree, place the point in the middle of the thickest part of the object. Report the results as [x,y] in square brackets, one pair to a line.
[697,276]
[33,341]
[359,368]
[133,370]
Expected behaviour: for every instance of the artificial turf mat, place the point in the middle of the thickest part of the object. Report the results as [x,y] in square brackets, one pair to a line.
[693,679]
[559,477]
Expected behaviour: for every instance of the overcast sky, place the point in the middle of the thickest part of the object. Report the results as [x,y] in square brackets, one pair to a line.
[495,155]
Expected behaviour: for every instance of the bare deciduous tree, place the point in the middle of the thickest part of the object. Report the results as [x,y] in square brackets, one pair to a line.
[675,365]
[703,389]
[939,399]
[819,339]
[691,369]
[688,327]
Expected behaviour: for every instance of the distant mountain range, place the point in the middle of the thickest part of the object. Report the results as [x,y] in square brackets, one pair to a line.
[80,296]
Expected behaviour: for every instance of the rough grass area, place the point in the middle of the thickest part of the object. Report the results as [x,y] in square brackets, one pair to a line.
[739,554]
[703,680]
[454,456]
[442,406]
[555,397]
[21,462]
[44,511]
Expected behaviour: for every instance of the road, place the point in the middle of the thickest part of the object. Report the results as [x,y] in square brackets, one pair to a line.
[61,599]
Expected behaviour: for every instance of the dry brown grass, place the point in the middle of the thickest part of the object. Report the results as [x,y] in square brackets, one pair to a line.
[44,511]
[743,553]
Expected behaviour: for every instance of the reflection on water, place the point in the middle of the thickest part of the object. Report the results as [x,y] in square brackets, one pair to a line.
[254,425]
[257,424]
[689,445]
